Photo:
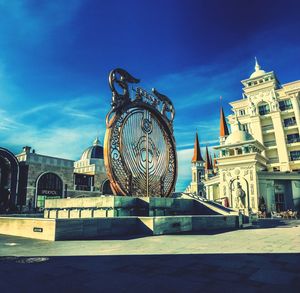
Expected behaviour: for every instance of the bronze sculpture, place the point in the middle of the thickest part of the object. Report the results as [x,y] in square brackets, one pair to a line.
[139,147]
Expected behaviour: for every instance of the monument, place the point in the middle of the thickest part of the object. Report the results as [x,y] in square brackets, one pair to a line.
[141,164]
[139,146]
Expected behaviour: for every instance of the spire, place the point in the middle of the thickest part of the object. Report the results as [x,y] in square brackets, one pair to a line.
[223,125]
[257,70]
[210,161]
[96,141]
[257,66]
[197,152]
[207,160]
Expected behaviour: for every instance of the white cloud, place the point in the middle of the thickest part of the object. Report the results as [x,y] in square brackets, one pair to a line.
[59,129]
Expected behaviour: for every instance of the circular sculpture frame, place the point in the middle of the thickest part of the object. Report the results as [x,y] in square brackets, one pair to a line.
[139,146]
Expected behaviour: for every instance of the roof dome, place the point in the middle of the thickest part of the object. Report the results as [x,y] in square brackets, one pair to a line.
[93,152]
[238,137]
[258,71]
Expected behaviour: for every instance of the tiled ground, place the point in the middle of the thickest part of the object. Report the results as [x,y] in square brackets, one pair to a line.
[250,260]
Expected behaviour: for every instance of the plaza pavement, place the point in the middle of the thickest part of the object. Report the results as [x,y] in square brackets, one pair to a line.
[265,258]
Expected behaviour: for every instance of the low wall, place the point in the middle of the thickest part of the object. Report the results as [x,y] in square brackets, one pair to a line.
[28,227]
[216,222]
[71,229]
[179,224]
[123,206]
[94,207]
[93,228]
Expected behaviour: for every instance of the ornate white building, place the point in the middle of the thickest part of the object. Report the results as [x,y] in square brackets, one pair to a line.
[259,162]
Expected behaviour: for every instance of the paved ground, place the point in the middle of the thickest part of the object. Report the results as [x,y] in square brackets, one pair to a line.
[250,260]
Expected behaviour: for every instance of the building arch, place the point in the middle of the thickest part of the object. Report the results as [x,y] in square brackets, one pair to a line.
[9,179]
[48,185]
[263,107]
[105,187]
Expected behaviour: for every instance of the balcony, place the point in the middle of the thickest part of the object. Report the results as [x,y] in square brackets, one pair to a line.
[289,122]
[263,112]
[273,160]
[267,127]
[270,143]
[293,140]
[294,156]
[285,107]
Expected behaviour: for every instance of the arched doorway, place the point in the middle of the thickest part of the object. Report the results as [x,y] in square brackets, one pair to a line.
[106,189]
[9,176]
[48,185]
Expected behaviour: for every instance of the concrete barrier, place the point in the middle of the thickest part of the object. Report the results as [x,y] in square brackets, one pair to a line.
[122,206]
[216,222]
[28,227]
[93,228]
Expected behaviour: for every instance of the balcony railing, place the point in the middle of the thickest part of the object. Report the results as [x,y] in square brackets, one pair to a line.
[297,158]
[267,127]
[289,123]
[285,107]
[273,160]
[293,140]
[270,143]
[263,112]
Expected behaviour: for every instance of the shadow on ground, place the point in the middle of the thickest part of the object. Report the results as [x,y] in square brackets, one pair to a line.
[152,273]
[274,223]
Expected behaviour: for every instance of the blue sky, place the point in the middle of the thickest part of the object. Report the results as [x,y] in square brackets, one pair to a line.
[55,57]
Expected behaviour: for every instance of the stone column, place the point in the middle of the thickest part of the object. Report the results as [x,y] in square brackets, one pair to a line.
[256,130]
[280,142]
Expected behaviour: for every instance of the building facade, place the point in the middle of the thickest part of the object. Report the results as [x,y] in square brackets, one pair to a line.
[89,171]
[28,178]
[258,166]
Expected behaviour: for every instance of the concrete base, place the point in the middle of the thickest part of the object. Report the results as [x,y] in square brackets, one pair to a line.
[123,206]
[93,228]
[96,217]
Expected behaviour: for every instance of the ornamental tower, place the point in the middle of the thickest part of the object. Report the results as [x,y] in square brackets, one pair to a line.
[223,127]
[198,171]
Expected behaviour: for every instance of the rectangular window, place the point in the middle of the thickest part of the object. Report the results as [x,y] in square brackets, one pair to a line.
[292,138]
[289,121]
[285,105]
[279,202]
[242,112]
[295,155]
[264,109]
[245,127]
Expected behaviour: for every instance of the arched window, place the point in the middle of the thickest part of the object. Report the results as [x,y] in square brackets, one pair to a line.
[200,175]
[106,187]
[264,109]
[9,176]
[49,185]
